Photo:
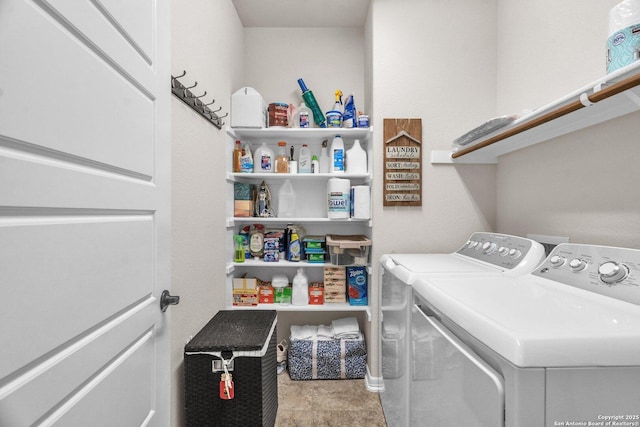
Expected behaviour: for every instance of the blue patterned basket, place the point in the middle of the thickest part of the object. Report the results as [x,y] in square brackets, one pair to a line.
[327,359]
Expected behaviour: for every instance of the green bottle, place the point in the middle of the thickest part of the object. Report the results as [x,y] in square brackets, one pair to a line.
[311,102]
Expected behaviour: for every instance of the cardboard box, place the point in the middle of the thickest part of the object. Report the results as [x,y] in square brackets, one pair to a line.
[245,291]
[266,294]
[243,208]
[357,285]
[334,296]
[316,293]
[334,272]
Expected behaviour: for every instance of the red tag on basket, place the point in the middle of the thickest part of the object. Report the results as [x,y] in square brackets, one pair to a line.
[226,387]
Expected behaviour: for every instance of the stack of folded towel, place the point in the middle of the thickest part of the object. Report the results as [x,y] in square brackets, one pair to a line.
[346,328]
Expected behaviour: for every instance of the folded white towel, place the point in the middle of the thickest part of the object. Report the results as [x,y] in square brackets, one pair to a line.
[324,331]
[306,332]
[346,327]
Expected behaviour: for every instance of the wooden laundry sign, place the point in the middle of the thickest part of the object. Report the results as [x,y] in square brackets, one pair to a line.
[402,162]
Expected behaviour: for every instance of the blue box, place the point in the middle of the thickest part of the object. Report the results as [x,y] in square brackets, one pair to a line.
[357,280]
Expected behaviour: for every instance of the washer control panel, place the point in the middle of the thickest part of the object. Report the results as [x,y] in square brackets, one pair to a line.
[508,252]
[610,271]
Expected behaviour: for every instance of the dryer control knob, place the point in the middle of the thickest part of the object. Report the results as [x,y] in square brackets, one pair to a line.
[612,272]
[557,261]
[515,253]
[577,264]
[489,248]
[503,251]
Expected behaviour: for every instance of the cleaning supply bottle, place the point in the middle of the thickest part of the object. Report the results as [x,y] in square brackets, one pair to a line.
[246,160]
[336,165]
[338,104]
[294,248]
[324,158]
[286,200]
[237,156]
[300,291]
[311,102]
[305,117]
[349,119]
[238,253]
[304,161]
[315,165]
[263,159]
[356,159]
[282,159]
[256,240]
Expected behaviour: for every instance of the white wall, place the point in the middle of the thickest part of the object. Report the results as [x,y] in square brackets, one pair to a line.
[436,61]
[326,58]
[582,185]
[206,39]
[548,48]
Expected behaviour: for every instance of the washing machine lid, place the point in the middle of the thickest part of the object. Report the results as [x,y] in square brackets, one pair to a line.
[535,322]
[409,267]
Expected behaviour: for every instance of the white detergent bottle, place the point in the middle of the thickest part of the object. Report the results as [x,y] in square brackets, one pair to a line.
[337,155]
[356,159]
[305,117]
[304,160]
[263,159]
[300,292]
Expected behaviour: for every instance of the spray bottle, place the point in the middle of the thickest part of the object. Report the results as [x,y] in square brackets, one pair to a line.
[311,102]
[238,253]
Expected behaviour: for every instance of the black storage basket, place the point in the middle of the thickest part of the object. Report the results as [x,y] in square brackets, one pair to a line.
[248,337]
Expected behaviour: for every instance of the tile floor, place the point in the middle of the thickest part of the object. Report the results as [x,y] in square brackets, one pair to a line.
[327,403]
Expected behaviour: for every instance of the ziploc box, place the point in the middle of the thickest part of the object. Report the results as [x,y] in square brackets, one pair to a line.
[248,109]
[245,291]
[357,285]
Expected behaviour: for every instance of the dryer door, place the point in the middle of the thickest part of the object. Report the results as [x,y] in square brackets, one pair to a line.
[450,384]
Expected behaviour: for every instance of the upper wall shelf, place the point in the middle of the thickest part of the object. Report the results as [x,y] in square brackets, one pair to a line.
[613,96]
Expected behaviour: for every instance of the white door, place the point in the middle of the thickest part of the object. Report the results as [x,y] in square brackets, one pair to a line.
[84,212]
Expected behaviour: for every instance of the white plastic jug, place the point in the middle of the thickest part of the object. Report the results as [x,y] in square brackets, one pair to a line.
[263,159]
[300,291]
[356,159]
[286,200]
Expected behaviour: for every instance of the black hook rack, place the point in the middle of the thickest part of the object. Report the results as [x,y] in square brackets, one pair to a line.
[184,93]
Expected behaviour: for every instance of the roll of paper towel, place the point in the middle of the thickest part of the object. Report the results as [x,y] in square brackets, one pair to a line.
[623,45]
[338,198]
[360,202]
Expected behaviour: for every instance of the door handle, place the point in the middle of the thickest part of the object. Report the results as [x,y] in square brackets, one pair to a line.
[166,299]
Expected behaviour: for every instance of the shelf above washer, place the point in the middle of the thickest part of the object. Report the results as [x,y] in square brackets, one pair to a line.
[612,96]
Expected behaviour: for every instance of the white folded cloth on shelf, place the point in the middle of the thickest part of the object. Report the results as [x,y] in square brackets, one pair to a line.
[346,327]
[324,331]
[306,332]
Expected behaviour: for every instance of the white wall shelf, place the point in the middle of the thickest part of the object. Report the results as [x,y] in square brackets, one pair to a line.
[326,307]
[311,208]
[612,96]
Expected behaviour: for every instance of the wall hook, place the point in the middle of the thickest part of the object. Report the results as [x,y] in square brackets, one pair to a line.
[183,93]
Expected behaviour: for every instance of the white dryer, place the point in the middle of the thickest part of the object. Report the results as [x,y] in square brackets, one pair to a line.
[559,346]
[483,255]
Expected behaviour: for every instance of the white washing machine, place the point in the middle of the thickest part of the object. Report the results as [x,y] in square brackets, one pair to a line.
[557,347]
[483,255]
